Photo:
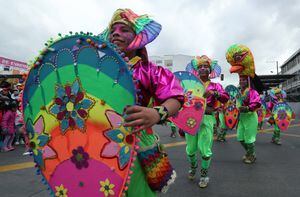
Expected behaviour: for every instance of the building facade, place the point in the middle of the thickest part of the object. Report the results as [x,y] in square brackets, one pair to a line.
[172,62]
[292,86]
[9,66]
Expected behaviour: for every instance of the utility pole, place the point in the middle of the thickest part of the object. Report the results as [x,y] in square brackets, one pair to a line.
[277,66]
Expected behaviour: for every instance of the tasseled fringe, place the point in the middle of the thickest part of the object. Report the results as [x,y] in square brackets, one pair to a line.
[170,181]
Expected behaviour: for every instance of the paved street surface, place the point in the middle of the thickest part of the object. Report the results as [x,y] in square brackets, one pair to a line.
[276,173]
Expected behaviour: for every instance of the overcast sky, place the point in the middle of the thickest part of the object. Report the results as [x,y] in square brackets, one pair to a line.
[271,28]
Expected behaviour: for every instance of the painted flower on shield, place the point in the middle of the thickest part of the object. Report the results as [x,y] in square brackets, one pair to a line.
[119,146]
[107,187]
[80,158]
[38,141]
[71,106]
[120,140]
[191,122]
[61,191]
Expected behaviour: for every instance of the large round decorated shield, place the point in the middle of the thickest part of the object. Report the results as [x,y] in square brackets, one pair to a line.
[190,116]
[73,102]
[233,92]
[231,114]
[283,115]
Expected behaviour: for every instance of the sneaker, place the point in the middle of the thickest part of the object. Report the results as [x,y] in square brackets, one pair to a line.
[17,143]
[22,142]
[27,153]
[203,182]
[192,173]
[244,157]
[250,159]
[277,142]
[173,136]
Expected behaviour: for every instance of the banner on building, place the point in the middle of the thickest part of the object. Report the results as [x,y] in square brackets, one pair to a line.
[13,64]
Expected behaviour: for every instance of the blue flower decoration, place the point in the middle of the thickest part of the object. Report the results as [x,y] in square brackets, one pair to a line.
[71,106]
[124,142]
[38,140]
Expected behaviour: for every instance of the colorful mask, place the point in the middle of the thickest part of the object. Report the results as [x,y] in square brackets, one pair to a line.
[241,60]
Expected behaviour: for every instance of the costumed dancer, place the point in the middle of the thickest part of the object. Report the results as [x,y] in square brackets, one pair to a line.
[242,62]
[222,130]
[276,95]
[173,129]
[203,140]
[131,32]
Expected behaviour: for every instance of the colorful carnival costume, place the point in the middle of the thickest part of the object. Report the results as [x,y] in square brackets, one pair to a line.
[173,129]
[276,96]
[73,104]
[155,82]
[242,62]
[203,140]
